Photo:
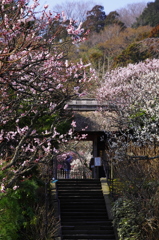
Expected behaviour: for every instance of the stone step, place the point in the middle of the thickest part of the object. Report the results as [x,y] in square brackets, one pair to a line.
[85,200]
[79,186]
[95,196]
[80,193]
[82,185]
[79,180]
[66,219]
[85,214]
[89,236]
[87,227]
[88,231]
[83,205]
[105,223]
[87,209]
[80,190]
[83,210]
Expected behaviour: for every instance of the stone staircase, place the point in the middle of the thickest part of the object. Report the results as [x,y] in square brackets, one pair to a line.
[83,210]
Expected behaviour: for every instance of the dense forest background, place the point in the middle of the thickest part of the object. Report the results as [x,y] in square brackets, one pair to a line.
[126,35]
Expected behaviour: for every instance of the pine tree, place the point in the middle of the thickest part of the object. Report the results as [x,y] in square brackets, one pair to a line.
[150,15]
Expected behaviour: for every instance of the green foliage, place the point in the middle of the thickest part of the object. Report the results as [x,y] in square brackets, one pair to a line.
[9,217]
[17,210]
[64,126]
[132,54]
[95,56]
[150,15]
[126,219]
[95,19]
[138,114]
[113,18]
[143,35]
[44,122]
[139,117]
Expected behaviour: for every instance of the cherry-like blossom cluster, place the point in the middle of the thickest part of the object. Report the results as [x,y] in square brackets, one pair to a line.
[36,82]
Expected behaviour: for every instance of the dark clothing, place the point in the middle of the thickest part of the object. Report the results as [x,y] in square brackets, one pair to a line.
[91,164]
[67,166]
[67,163]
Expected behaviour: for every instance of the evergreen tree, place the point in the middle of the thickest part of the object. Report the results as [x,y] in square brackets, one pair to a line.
[150,15]
[113,18]
[95,19]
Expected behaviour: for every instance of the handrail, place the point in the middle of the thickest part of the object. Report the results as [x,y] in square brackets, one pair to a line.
[59,211]
[58,216]
[108,174]
[77,174]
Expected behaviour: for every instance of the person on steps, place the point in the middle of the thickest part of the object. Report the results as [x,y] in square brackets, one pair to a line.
[67,165]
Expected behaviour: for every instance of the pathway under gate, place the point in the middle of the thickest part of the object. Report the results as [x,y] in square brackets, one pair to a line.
[96,126]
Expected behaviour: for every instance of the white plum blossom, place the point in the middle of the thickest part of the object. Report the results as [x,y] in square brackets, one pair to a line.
[66,106]
[15,187]
[133,92]
[3,188]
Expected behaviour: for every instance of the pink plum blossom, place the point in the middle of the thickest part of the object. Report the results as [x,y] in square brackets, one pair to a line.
[36,83]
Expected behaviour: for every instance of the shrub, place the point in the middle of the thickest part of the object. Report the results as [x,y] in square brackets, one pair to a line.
[126,219]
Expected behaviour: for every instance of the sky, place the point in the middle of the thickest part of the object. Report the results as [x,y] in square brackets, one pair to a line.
[109,5]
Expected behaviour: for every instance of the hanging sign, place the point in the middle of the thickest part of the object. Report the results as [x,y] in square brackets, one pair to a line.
[97,161]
